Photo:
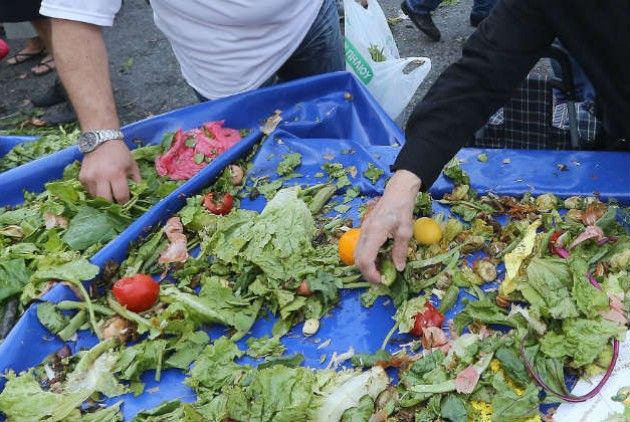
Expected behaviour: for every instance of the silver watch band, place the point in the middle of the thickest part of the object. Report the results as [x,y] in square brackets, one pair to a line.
[90,140]
[108,135]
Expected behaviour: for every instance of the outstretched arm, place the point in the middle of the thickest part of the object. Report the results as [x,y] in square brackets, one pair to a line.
[81,59]
[495,60]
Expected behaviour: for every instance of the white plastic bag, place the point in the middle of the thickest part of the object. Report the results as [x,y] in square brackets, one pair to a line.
[367,29]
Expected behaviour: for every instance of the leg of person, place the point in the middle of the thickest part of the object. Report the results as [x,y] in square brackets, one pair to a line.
[34,49]
[22,11]
[419,11]
[481,9]
[321,51]
[47,64]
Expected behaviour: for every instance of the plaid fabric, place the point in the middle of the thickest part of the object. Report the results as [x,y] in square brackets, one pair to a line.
[532,120]
[588,125]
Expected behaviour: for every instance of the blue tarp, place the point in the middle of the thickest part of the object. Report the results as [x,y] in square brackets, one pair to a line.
[328,118]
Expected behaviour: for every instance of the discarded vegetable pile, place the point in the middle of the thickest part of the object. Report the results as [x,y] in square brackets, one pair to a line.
[51,235]
[564,299]
[29,151]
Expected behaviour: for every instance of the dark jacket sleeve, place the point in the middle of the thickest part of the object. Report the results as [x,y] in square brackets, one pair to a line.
[495,60]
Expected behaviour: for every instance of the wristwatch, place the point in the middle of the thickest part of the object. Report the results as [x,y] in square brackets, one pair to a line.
[88,141]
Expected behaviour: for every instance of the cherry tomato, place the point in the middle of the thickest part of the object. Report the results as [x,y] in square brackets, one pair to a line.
[430,317]
[219,205]
[552,242]
[137,293]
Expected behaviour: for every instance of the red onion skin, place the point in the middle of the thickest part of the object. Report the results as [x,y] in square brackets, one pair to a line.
[570,398]
[562,253]
[592,280]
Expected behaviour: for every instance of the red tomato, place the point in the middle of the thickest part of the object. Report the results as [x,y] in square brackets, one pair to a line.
[218,205]
[4,49]
[552,242]
[137,293]
[430,317]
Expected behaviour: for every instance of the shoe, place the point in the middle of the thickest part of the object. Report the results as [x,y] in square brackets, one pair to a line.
[475,20]
[60,115]
[53,95]
[422,21]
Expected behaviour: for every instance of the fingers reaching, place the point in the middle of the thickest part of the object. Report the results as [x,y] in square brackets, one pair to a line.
[135,173]
[391,217]
[401,244]
[373,236]
[103,190]
[120,189]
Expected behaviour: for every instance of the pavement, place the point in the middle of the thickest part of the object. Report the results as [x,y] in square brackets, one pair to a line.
[146,76]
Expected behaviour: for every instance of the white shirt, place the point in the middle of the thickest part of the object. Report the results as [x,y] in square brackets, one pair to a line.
[223,46]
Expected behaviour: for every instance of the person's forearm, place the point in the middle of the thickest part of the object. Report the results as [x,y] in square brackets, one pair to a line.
[495,61]
[81,60]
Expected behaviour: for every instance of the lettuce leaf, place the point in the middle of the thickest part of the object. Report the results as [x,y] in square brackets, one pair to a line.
[24,399]
[13,277]
[405,314]
[547,288]
[89,227]
[74,271]
[581,340]
[277,241]
[588,299]
[276,394]
[215,304]
[216,368]
[508,406]
[362,412]
[264,346]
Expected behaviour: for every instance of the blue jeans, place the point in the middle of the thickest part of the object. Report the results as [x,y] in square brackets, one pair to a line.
[321,50]
[422,7]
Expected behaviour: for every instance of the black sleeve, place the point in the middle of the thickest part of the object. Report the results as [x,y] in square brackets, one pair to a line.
[495,60]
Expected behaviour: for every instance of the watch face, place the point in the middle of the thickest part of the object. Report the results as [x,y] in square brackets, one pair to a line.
[88,141]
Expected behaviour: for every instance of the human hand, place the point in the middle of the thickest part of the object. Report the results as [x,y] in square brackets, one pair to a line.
[391,217]
[104,171]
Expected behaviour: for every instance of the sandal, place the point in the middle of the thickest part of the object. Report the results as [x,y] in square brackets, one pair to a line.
[22,57]
[48,64]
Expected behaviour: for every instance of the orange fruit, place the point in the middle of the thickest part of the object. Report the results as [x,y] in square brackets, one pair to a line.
[427,231]
[347,244]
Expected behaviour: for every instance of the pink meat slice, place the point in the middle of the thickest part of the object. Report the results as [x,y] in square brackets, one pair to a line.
[224,135]
[466,381]
[179,161]
[177,250]
[212,140]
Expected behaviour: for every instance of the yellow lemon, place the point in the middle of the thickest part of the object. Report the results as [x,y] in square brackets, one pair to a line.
[426,231]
